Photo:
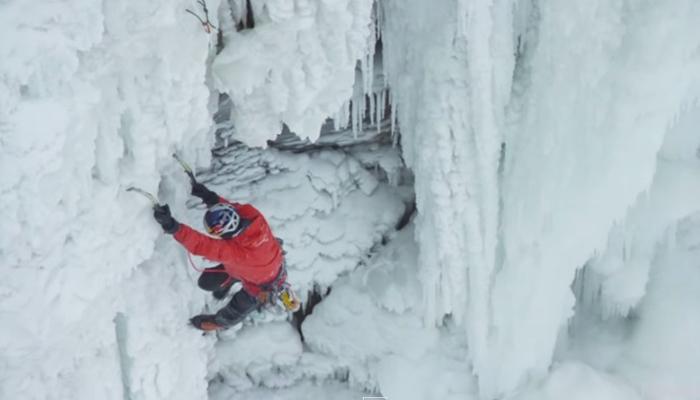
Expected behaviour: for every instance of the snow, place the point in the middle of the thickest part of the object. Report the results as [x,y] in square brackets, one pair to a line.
[552,155]
[572,167]
[331,212]
[596,88]
[90,104]
[673,194]
[578,382]
[369,325]
[297,66]
[662,355]
[301,392]
[326,206]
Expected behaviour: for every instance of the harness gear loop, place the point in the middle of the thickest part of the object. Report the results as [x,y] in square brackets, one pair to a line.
[280,290]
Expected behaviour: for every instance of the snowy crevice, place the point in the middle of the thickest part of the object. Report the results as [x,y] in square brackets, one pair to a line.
[313,298]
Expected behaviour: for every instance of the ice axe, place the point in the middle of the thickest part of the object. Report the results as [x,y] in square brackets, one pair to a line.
[186,167]
[153,199]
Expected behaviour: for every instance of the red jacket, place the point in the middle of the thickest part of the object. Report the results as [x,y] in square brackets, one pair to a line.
[254,256]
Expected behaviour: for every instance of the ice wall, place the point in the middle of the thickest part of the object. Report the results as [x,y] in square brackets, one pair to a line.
[605,82]
[450,88]
[95,96]
[531,127]
[615,281]
[594,88]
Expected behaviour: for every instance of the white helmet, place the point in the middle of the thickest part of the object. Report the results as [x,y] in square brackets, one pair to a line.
[222,219]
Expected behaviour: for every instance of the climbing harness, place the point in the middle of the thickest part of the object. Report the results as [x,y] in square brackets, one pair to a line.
[280,289]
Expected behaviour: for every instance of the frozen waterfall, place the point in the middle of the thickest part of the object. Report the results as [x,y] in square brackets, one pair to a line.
[480,199]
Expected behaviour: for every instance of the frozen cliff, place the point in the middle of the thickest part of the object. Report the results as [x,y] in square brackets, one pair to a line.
[479,199]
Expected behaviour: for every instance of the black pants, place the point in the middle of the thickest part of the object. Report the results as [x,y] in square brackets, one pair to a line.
[217,280]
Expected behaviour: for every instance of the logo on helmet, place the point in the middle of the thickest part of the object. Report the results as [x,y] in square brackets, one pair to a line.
[222,220]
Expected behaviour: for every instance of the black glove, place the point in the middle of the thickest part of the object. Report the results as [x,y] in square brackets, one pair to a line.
[205,322]
[162,214]
[208,197]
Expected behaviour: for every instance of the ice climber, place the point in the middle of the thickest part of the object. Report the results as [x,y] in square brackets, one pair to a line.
[246,250]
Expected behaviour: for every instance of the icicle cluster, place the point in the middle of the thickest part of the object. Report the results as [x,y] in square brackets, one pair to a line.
[371,95]
[297,66]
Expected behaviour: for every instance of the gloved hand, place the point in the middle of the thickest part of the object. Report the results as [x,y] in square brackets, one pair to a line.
[161,212]
[208,197]
[205,322]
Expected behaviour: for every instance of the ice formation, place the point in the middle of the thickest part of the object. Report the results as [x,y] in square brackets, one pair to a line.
[551,150]
[296,66]
[95,96]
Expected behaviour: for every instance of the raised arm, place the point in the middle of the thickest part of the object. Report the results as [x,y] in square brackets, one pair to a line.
[202,245]
[208,197]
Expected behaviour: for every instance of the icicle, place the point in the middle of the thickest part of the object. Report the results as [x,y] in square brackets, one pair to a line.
[238,11]
[378,114]
[381,100]
[378,16]
[382,105]
[346,115]
[353,116]
[245,12]
[353,106]
[392,115]
[361,111]
[358,100]
[341,122]
[368,72]
[375,111]
[365,73]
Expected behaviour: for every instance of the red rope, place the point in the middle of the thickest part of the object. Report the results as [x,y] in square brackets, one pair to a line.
[203,270]
[189,257]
